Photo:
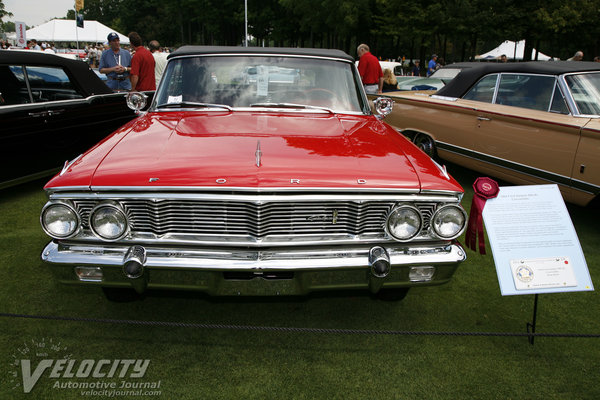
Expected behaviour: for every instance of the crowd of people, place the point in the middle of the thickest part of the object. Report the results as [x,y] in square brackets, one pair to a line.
[135,68]
[377,80]
[140,68]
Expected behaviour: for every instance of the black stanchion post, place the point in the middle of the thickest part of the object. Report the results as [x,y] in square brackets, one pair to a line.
[531,326]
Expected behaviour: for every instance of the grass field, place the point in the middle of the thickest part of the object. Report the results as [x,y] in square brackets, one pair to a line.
[193,363]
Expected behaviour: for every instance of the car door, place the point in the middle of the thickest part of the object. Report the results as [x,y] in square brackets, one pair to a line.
[526,134]
[74,122]
[24,126]
[586,168]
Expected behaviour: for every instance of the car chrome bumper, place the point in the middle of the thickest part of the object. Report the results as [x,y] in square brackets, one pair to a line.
[300,270]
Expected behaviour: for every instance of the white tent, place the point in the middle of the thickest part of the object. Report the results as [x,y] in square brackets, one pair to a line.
[512,50]
[65,30]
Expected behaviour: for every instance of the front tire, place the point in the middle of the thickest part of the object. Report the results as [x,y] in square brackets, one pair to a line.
[425,143]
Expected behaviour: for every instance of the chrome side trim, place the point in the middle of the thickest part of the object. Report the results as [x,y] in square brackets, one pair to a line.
[248,260]
[511,165]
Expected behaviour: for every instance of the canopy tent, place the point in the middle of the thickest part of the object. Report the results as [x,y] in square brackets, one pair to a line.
[65,30]
[512,50]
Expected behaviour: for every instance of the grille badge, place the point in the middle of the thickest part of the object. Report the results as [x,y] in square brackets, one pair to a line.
[324,217]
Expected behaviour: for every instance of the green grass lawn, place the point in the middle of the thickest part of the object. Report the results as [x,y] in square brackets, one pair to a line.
[195,363]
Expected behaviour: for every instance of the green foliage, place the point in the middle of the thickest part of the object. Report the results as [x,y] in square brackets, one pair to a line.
[457,30]
[3,12]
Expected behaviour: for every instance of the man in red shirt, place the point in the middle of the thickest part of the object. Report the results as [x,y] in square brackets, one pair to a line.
[142,66]
[369,70]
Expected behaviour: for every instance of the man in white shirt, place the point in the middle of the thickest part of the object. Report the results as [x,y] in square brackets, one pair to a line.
[160,60]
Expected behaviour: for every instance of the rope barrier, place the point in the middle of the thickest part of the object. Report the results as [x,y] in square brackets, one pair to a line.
[295,329]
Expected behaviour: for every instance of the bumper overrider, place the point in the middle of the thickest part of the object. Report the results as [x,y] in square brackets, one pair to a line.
[277,271]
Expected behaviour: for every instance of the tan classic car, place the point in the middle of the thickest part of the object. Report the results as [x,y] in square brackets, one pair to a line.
[525,123]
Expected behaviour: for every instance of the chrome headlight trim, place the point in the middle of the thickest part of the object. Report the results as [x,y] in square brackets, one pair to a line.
[393,213]
[70,208]
[119,213]
[441,211]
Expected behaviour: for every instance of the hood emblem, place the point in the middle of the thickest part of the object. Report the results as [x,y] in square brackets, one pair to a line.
[258,154]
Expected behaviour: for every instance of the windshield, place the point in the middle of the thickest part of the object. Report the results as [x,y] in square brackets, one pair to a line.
[585,89]
[259,81]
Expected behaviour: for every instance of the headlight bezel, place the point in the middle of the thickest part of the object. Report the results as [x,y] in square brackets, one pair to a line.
[396,209]
[438,212]
[113,206]
[69,206]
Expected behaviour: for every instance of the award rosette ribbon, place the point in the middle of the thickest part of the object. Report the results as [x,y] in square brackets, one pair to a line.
[485,189]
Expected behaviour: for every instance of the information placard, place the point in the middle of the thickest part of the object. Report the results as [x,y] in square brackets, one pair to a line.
[534,243]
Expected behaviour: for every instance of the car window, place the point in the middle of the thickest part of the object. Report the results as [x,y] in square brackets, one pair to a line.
[260,80]
[526,91]
[585,89]
[483,90]
[559,104]
[13,88]
[50,84]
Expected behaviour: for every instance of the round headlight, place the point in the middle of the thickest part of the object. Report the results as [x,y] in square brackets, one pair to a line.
[108,221]
[449,221]
[404,222]
[59,220]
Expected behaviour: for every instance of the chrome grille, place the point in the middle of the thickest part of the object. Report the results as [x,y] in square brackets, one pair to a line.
[161,217]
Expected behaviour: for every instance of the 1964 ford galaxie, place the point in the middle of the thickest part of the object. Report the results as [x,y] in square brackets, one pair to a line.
[255,187]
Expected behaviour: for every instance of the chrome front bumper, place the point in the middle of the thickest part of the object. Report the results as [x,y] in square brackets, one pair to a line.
[312,268]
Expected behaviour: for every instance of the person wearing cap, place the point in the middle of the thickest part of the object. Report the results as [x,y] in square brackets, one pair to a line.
[416,70]
[115,62]
[432,66]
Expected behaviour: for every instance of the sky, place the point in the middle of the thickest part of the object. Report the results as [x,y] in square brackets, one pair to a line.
[36,12]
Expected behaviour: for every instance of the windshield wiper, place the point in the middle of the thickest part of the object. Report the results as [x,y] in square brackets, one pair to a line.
[291,105]
[184,104]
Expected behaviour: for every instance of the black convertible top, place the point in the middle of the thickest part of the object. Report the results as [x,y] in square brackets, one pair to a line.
[458,86]
[204,50]
[88,81]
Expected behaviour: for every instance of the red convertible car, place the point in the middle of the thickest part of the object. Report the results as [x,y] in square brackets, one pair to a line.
[262,186]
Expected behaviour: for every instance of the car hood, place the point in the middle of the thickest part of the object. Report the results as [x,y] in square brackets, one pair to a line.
[256,150]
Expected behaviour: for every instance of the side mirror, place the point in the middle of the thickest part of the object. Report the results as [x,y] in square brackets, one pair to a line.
[383,106]
[136,101]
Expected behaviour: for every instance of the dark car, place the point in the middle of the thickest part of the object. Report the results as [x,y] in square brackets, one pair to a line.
[52,109]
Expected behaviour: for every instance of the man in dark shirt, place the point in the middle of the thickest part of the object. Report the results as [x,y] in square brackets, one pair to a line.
[142,65]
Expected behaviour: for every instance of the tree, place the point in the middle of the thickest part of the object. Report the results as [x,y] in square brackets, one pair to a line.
[3,12]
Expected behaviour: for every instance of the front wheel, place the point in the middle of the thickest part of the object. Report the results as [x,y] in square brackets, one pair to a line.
[425,143]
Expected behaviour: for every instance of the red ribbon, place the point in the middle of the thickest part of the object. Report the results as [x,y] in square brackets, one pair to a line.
[485,188]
